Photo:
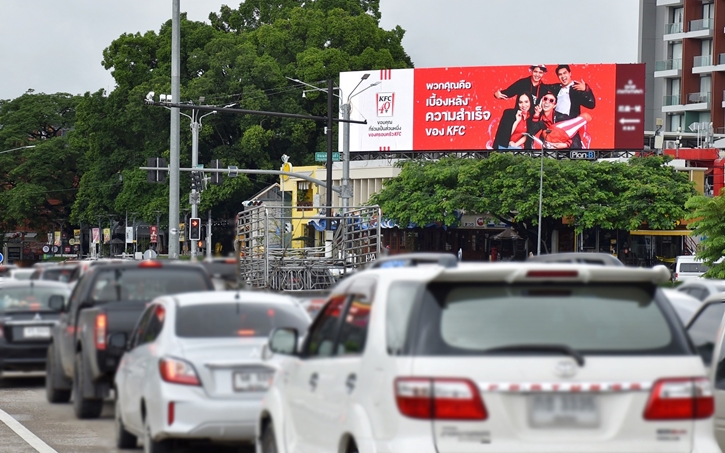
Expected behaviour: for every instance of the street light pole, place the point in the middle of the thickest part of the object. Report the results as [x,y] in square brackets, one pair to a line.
[195,128]
[541,187]
[175,131]
[328,192]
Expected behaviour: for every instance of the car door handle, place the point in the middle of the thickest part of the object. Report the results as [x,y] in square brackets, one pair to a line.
[350,382]
[313,381]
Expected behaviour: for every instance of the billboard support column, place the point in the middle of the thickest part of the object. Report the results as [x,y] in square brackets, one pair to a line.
[346,192]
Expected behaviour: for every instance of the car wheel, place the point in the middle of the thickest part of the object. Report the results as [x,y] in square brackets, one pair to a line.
[83,407]
[52,376]
[150,445]
[269,443]
[124,439]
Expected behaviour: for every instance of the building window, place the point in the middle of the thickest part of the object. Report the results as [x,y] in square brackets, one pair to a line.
[675,122]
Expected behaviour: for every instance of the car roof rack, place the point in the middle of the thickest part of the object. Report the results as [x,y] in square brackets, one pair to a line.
[414,259]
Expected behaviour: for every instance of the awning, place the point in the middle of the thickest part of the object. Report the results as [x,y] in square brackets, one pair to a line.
[660,232]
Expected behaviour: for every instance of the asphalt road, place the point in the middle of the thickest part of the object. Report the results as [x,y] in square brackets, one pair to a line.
[22,396]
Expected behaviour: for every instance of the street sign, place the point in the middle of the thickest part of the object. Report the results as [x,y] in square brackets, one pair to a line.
[2,258]
[321,156]
[46,249]
[288,168]
[55,249]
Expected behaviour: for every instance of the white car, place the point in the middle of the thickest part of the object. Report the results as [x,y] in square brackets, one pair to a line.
[482,357]
[701,288]
[685,306]
[193,368]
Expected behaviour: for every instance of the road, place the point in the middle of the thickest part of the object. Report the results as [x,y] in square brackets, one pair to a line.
[22,396]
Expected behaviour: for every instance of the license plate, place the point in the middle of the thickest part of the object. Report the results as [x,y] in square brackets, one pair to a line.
[36,332]
[569,410]
[254,381]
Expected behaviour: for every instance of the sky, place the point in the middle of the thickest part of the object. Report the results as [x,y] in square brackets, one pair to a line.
[55,46]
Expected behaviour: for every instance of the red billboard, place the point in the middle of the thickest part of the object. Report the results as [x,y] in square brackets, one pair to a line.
[590,106]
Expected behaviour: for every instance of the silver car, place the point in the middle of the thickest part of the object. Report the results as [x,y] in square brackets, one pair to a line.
[701,288]
[193,368]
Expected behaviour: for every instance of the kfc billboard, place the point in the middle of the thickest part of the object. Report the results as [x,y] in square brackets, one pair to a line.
[590,106]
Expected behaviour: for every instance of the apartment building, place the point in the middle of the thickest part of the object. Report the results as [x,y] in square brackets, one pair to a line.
[689,71]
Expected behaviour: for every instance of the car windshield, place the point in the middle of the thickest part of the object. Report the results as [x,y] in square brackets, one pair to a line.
[597,319]
[58,274]
[29,297]
[145,284]
[240,319]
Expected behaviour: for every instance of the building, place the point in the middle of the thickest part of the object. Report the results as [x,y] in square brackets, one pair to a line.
[689,69]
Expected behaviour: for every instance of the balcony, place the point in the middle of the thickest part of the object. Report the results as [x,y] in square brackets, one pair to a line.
[704,60]
[702,24]
[670,2]
[668,68]
[723,102]
[673,28]
[697,102]
[671,100]
[702,64]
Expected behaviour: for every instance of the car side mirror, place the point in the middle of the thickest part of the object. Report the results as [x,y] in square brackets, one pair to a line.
[117,343]
[283,341]
[56,302]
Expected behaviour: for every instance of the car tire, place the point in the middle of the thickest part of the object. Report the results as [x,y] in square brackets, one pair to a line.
[269,443]
[124,439]
[52,376]
[83,407]
[150,445]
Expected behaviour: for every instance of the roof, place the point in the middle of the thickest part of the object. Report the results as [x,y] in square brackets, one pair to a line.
[242,296]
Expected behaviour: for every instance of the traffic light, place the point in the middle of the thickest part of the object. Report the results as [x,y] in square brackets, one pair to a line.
[216,178]
[195,229]
[200,244]
[196,181]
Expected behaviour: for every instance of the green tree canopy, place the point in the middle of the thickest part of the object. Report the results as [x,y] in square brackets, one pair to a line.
[244,58]
[40,181]
[708,221]
[607,194]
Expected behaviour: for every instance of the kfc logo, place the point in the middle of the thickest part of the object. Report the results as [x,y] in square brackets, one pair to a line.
[385,104]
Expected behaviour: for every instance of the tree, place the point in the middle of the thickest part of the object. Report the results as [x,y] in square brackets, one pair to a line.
[242,58]
[707,221]
[608,195]
[38,183]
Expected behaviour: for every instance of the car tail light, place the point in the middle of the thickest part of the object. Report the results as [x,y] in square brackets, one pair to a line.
[170,413]
[100,331]
[177,371]
[150,263]
[680,399]
[439,399]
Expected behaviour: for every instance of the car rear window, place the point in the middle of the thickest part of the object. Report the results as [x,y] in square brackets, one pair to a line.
[29,297]
[693,267]
[472,319]
[145,284]
[240,319]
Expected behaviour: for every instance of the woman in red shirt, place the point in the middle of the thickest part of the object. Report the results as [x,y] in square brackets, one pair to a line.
[514,123]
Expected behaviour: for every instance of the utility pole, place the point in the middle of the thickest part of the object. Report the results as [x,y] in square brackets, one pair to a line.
[100,232]
[175,122]
[158,233]
[195,128]
[328,192]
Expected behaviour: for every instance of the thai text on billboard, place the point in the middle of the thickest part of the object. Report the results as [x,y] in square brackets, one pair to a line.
[589,106]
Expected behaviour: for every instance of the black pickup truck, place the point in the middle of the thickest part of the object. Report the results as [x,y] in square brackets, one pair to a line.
[107,299]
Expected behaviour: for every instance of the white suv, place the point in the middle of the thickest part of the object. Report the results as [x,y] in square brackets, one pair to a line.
[481,357]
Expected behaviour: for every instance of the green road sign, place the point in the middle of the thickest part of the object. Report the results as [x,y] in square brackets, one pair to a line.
[322,156]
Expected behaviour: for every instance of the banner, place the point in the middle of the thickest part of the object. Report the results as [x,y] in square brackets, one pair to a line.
[96,235]
[182,232]
[56,240]
[106,235]
[495,107]
[154,233]
[77,234]
[129,235]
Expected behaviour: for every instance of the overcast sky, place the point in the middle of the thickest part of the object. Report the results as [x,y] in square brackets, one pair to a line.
[56,46]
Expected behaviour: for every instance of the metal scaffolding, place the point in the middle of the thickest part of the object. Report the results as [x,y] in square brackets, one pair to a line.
[269,257]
